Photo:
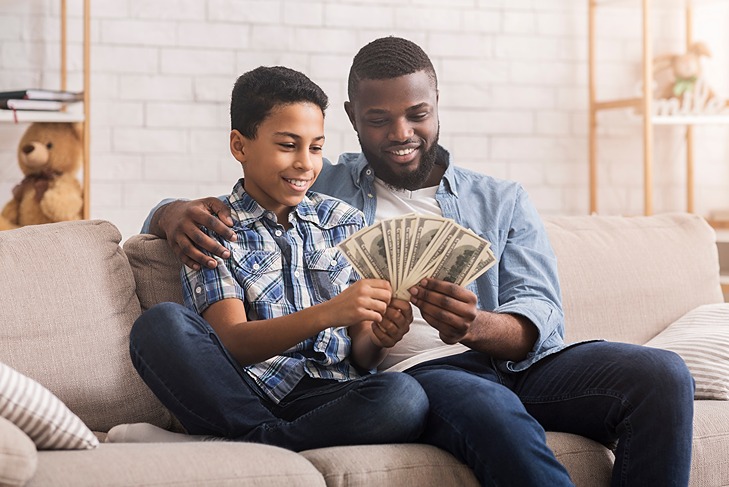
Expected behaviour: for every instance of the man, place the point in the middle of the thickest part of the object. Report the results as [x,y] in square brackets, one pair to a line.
[491,357]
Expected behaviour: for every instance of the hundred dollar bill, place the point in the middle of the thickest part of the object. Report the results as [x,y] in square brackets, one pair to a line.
[360,264]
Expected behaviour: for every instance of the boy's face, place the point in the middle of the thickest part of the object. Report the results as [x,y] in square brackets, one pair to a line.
[397,123]
[284,159]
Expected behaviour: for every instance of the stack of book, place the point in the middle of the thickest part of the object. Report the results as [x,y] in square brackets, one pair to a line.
[38,99]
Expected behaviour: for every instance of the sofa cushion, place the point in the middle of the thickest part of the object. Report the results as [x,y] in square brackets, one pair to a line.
[40,414]
[710,466]
[156,270]
[204,464]
[401,465]
[701,338]
[627,278]
[73,303]
[18,456]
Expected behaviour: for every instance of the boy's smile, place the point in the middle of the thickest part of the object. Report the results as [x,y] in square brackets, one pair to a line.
[284,159]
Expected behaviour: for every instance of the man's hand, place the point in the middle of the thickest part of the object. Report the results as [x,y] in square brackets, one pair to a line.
[394,325]
[179,222]
[448,308]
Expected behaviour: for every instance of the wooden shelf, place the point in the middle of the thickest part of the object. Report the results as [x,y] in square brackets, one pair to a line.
[645,103]
[28,116]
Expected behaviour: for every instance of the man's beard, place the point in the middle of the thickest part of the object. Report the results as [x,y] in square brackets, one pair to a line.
[410,181]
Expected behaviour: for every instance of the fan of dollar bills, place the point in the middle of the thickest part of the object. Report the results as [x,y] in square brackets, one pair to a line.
[408,248]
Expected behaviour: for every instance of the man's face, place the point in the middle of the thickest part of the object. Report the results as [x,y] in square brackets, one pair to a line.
[396,121]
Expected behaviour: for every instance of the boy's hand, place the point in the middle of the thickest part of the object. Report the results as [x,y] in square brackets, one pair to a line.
[179,222]
[365,300]
[394,325]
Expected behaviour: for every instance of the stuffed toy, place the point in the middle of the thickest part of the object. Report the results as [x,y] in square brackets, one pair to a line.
[677,74]
[50,155]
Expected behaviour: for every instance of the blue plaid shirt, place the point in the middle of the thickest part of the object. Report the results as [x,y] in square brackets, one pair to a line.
[276,272]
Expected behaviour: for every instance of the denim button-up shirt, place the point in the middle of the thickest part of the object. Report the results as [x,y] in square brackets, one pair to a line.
[524,282]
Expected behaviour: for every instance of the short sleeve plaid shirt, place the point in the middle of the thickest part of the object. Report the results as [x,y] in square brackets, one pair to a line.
[276,272]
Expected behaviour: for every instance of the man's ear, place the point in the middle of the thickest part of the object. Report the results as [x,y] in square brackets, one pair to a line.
[349,108]
[238,146]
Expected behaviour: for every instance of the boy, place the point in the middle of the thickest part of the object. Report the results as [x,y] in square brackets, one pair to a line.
[279,314]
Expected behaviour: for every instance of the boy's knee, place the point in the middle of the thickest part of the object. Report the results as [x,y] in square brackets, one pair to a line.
[162,320]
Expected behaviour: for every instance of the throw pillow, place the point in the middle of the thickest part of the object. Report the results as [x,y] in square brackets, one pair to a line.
[40,414]
[701,338]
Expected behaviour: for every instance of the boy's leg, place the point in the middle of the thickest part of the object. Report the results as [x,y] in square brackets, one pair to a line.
[379,408]
[484,424]
[181,359]
[179,356]
[640,397]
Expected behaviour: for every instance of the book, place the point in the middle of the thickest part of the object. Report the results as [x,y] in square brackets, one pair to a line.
[41,94]
[47,105]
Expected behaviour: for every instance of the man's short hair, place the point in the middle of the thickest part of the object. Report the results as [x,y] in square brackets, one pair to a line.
[387,58]
[257,92]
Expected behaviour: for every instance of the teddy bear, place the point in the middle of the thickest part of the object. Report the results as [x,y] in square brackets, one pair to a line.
[677,74]
[49,155]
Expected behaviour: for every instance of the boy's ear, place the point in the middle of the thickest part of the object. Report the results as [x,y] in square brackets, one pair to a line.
[238,146]
[349,108]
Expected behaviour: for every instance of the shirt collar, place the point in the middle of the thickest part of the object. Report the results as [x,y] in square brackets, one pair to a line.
[247,210]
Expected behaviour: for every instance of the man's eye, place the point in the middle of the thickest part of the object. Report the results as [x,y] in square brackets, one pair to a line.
[377,121]
[419,116]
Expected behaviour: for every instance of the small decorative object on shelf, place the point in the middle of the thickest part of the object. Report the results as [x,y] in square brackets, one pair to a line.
[42,94]
[680,88]
[50,155]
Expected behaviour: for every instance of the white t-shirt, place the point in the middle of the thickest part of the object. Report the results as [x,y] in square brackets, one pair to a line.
[422,342]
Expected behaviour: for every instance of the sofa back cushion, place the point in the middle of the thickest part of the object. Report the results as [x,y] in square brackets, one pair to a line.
[156,270]
[623,278]
[68,304]
[628,278]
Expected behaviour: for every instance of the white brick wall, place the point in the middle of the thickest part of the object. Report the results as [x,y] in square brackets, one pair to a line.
[513,84]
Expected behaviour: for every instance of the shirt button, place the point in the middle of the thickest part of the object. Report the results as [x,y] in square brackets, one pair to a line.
[256,267]
[369,195]
[198,290]
[296,274]
[368,172]
[277,233]
[333,263]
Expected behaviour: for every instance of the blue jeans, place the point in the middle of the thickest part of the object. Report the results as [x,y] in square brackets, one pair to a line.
[639,397]
[179,356]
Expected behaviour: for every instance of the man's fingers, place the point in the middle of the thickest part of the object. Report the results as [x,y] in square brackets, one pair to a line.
[190,254]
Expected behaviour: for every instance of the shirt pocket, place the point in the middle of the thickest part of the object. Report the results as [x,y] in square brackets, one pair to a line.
[330,273]
[260,273]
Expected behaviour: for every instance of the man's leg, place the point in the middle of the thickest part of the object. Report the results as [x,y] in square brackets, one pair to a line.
[181,359]
[484,424]
[640,397]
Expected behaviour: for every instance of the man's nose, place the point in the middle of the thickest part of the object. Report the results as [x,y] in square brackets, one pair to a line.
[400,130]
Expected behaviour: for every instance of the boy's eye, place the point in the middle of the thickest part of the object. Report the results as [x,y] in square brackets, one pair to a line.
[287,145]
[315,148]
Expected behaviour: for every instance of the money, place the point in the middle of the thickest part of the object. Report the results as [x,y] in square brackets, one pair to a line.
[408,248]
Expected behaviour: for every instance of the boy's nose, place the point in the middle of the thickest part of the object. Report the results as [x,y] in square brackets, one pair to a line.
[303,161]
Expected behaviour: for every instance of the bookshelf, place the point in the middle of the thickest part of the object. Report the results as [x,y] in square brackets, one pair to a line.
[81,115]
[645,103]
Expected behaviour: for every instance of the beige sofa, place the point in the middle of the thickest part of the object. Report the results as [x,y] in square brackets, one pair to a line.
[70,294]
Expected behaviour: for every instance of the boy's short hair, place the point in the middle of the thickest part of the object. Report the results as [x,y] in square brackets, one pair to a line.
[260,90]
[387,58]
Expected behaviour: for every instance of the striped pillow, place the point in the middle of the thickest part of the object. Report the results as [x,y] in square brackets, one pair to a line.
[40,414]
[701,338]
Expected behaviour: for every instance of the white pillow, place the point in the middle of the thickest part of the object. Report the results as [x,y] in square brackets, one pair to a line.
[701,338]
[40,414]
